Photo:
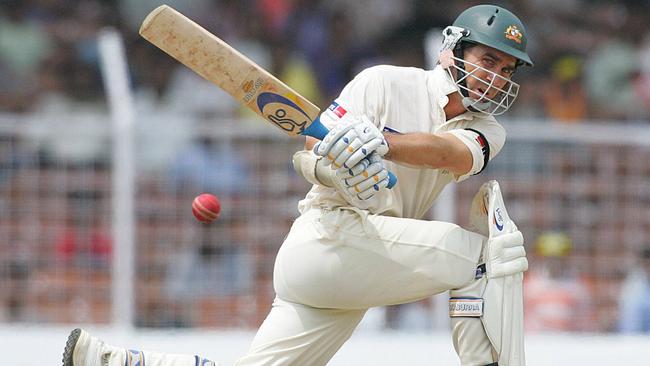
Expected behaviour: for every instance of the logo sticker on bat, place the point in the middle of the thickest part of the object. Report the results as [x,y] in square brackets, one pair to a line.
[283,112]
[251,88]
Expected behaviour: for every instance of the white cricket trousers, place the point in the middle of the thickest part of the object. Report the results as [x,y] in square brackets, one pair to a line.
[335,264]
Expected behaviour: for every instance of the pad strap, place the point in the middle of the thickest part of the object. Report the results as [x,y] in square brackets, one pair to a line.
[465,307]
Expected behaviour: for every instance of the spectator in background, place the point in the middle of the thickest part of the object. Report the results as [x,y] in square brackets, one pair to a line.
[370,20]
[274,13]
[610,73]
[217,265]
[23,42]
[23,45]
[642,82]
[189,94]
[308,31]
[166,96]
[14,156]
[565,98]
[295,71]
[134,11]
[84,239]
[206,166]
[16,294]
[612,65]
[555,298]
[634,300]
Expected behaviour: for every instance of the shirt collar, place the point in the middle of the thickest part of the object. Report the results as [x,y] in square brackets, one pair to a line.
[440,85]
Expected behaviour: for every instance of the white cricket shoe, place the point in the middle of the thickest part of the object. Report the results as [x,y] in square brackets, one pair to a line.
[82,349]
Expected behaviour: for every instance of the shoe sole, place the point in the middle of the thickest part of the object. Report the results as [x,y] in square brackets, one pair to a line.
[69,347]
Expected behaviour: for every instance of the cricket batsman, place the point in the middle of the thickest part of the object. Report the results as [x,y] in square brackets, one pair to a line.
[357,244]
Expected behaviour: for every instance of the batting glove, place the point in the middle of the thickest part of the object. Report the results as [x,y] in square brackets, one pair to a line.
[351,141]
[365,179]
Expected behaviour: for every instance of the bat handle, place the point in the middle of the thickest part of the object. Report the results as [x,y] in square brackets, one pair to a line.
[318,130]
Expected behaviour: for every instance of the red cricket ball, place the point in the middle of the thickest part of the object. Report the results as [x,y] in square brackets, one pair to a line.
[206,207]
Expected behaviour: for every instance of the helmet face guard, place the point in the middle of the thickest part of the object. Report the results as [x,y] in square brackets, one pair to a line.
[474,101]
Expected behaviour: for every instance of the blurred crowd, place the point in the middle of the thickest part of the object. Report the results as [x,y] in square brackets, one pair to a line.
[592,57]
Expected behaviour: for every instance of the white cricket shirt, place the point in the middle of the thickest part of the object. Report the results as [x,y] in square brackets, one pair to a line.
[406,99]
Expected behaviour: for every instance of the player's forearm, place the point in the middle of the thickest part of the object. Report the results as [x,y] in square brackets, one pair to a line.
[418,149]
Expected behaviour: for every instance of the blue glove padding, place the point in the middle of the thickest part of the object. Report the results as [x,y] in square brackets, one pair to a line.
[351,141]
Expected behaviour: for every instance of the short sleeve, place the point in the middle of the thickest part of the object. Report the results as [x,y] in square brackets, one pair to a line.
[484,140]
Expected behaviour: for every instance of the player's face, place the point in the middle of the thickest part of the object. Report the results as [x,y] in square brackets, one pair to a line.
[489,71]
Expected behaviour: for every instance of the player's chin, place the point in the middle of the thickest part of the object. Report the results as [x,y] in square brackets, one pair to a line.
[476,90]
[479,95]
[482,96]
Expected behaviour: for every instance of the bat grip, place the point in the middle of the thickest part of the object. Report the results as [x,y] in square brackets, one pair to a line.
[318,130]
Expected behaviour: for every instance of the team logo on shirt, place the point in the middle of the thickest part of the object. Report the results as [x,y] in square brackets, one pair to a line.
[337,109]
[514,34]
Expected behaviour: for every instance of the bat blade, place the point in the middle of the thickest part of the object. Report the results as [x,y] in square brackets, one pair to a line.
[221,64]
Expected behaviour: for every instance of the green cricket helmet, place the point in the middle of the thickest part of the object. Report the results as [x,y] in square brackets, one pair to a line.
[495,27]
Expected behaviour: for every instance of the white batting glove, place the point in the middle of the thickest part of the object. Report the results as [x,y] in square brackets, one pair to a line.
[365,179]
[351,141]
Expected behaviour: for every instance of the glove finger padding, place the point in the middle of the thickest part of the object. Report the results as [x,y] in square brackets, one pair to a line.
[351,141]
[348,140]
[354,171]
[368,193]
[361,153]
[372,138]
[364,179]
[348,150]
[369,183]
[507,255]
[323,147]
[369,172]
[513,253]
[369,138]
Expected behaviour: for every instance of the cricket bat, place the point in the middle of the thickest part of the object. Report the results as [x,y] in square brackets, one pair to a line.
[247,82]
